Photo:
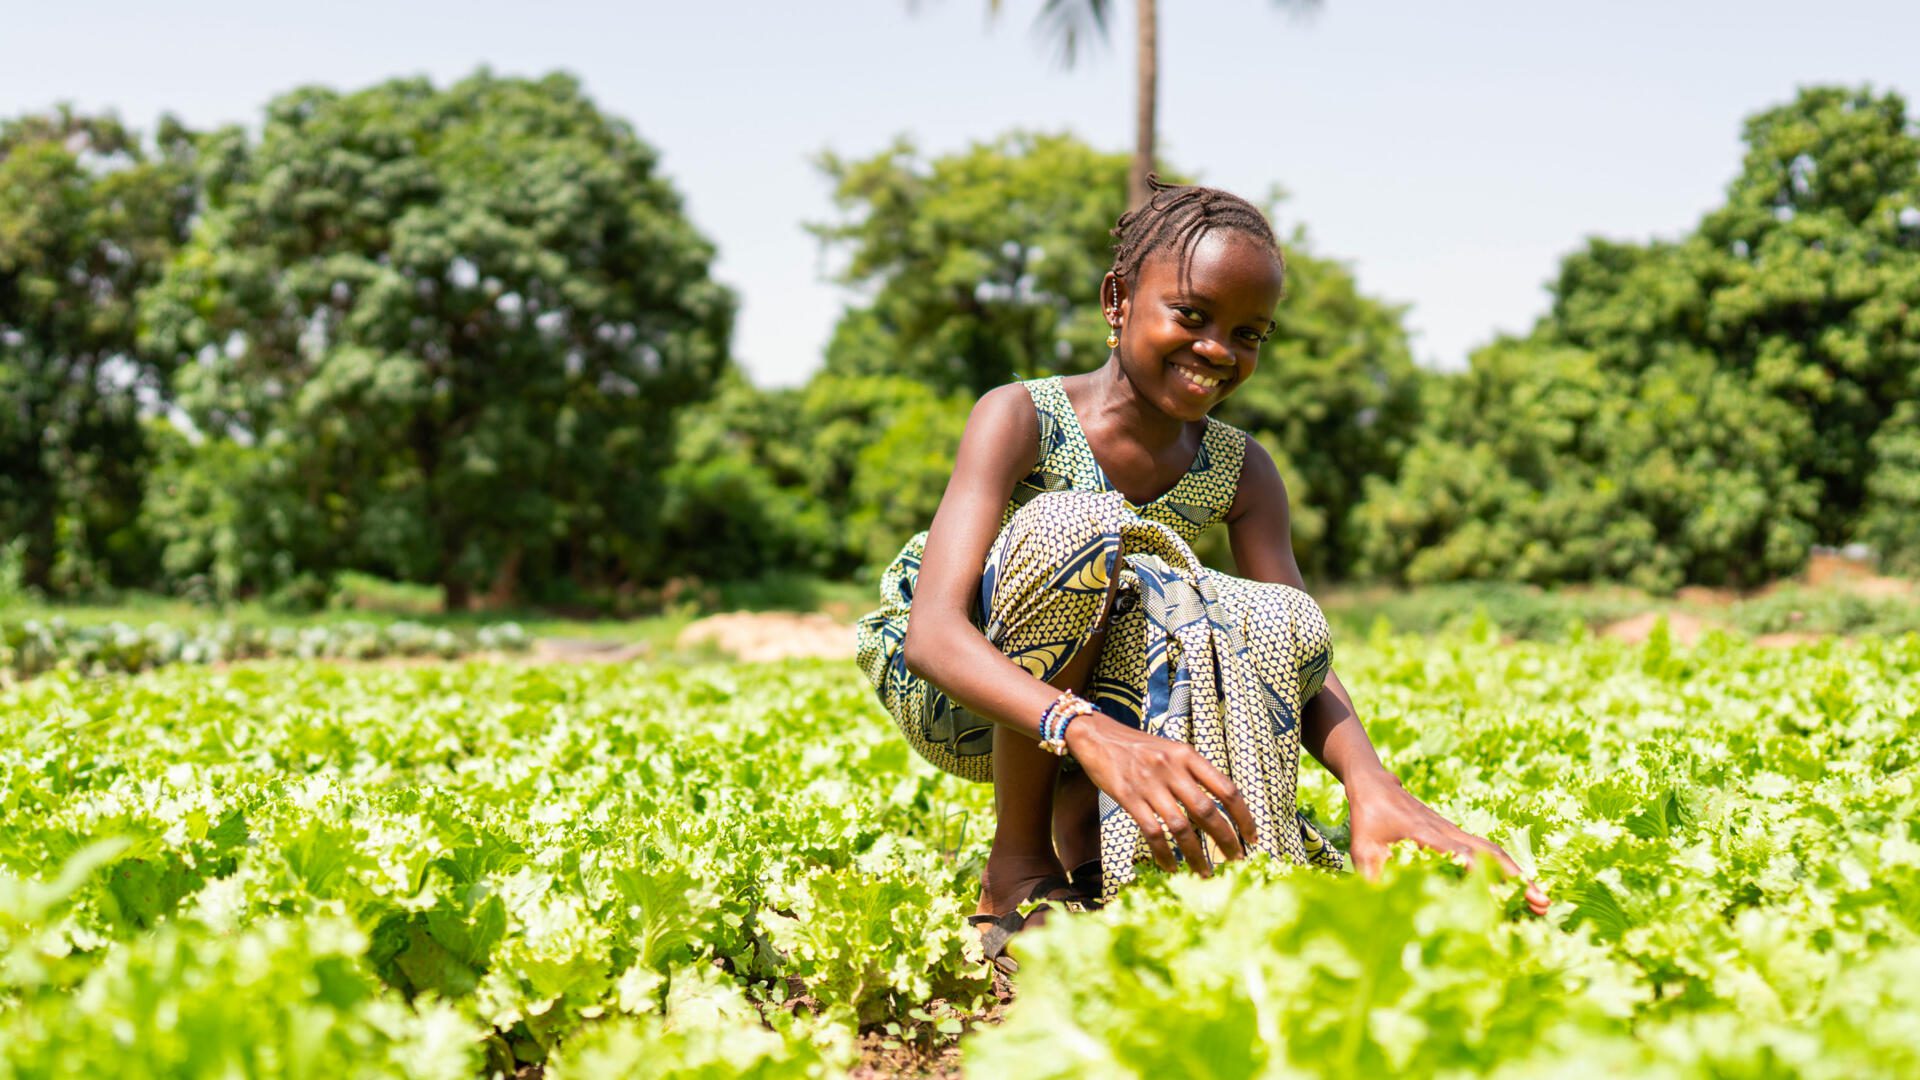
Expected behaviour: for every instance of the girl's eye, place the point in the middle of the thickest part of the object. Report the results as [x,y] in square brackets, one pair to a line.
[1252,337]
[1187,313]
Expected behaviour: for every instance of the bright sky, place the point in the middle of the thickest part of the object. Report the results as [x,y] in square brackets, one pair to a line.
[1450,152]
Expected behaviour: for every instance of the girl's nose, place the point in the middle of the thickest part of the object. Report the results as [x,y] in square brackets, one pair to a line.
[1213,351]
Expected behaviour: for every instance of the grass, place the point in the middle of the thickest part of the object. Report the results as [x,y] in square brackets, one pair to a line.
[1518,611]
[364,599]
[1531,613]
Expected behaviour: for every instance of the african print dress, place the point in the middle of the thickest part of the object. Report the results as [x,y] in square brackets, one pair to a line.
[1213,660]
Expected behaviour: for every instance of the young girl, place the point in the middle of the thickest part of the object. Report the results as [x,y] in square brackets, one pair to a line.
[1059,615]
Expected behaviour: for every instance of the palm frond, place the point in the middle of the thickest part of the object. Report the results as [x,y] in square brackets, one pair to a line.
[1071,25]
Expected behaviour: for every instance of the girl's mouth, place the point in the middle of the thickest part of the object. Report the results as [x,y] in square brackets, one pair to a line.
[1197,383]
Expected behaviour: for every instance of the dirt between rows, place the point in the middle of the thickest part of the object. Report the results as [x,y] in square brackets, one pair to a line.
[1824,570]
[771,635]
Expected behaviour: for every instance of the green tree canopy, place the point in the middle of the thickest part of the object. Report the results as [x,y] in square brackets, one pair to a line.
[1710,406]
[1806,282]
[88,216]
[469,313]
[831,477]
[979,266]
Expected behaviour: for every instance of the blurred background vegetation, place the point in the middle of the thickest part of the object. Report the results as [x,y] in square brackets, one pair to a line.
[459,347]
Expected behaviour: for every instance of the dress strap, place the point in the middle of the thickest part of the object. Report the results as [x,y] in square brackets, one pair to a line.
[1064,461]
[1052,433]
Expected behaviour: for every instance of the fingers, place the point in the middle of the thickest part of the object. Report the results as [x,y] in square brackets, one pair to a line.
[1209,819]
[1156,838]
[1368,859]
[1223,789]
[1537,900]
[1178,826]
[1499,855]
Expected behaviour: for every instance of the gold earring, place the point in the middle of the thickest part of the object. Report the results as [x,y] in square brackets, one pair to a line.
[1113,340]
[1113,332]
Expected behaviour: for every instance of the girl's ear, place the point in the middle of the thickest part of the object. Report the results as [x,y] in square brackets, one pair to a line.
[1113,298]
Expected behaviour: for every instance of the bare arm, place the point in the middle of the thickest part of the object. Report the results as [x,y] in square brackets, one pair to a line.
[1260,527]
[1155,780]
[1381,812]
[942,645]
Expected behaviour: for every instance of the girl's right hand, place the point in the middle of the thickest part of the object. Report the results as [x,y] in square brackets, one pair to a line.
[1159,780]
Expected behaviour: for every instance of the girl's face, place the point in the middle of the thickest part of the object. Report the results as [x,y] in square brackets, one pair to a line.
[1186,344]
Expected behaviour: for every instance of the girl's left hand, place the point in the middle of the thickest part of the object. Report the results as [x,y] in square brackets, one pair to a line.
[1382,813]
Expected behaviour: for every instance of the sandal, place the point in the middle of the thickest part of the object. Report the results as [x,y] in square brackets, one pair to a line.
[996,931]
[1085,881]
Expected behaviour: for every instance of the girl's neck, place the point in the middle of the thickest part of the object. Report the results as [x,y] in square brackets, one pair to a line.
[1115,402]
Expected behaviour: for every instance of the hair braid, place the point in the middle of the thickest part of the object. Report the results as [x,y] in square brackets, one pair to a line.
[1176,217]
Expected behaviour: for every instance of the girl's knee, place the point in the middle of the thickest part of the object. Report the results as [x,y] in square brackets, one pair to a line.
[1295,632]
[1312,642]
[1067,520]
[1310,623]
[1060,540]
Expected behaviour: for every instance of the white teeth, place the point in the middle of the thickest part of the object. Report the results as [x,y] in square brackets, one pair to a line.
[1203,381]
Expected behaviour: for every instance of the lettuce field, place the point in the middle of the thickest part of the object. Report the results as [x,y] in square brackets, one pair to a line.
[301,869]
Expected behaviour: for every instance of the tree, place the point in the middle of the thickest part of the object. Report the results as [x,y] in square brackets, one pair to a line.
[831,477]
[1543,464]
[88,216]
[1890,518]
[740,501]
[1069,23]
[1806,282]
[979,265]
[1714,405]
[470,315]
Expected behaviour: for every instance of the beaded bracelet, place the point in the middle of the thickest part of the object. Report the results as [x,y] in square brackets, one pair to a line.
[1046,714]
[1053,729]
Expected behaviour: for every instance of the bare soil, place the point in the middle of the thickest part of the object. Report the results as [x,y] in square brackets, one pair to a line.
[1787,639]
[1827,570]
[1685,629]
[588,650]
[771,635]
[1707,596]
[904,1059]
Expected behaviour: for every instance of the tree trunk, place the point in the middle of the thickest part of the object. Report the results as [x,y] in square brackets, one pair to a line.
[36,560]
[506,580]
[455,594]
[1146,81]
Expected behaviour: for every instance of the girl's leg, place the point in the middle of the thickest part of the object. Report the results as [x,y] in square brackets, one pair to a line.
[1076,819]
[1022,854]
[1036,805]
[1076,802]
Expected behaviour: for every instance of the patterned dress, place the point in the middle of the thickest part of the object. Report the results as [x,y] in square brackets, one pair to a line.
[1217,661]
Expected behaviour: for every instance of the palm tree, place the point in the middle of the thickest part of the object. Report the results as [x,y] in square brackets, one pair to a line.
[1071,23]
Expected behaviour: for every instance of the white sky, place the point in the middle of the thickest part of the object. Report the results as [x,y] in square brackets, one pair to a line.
[1450,152]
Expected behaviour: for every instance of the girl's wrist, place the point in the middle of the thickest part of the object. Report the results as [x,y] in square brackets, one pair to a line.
[1372,782]
[1081,730]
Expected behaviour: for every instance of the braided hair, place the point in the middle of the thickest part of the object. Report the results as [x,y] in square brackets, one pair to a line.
[1175,217]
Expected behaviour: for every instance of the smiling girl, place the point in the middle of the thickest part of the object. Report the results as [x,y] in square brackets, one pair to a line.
[1064,643]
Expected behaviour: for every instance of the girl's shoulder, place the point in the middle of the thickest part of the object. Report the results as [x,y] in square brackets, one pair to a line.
[1007,420]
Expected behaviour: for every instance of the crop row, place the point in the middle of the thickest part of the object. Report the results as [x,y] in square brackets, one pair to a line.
[32,646]
[293,870]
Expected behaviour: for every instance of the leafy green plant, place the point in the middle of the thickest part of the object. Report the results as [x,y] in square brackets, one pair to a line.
[454,870]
